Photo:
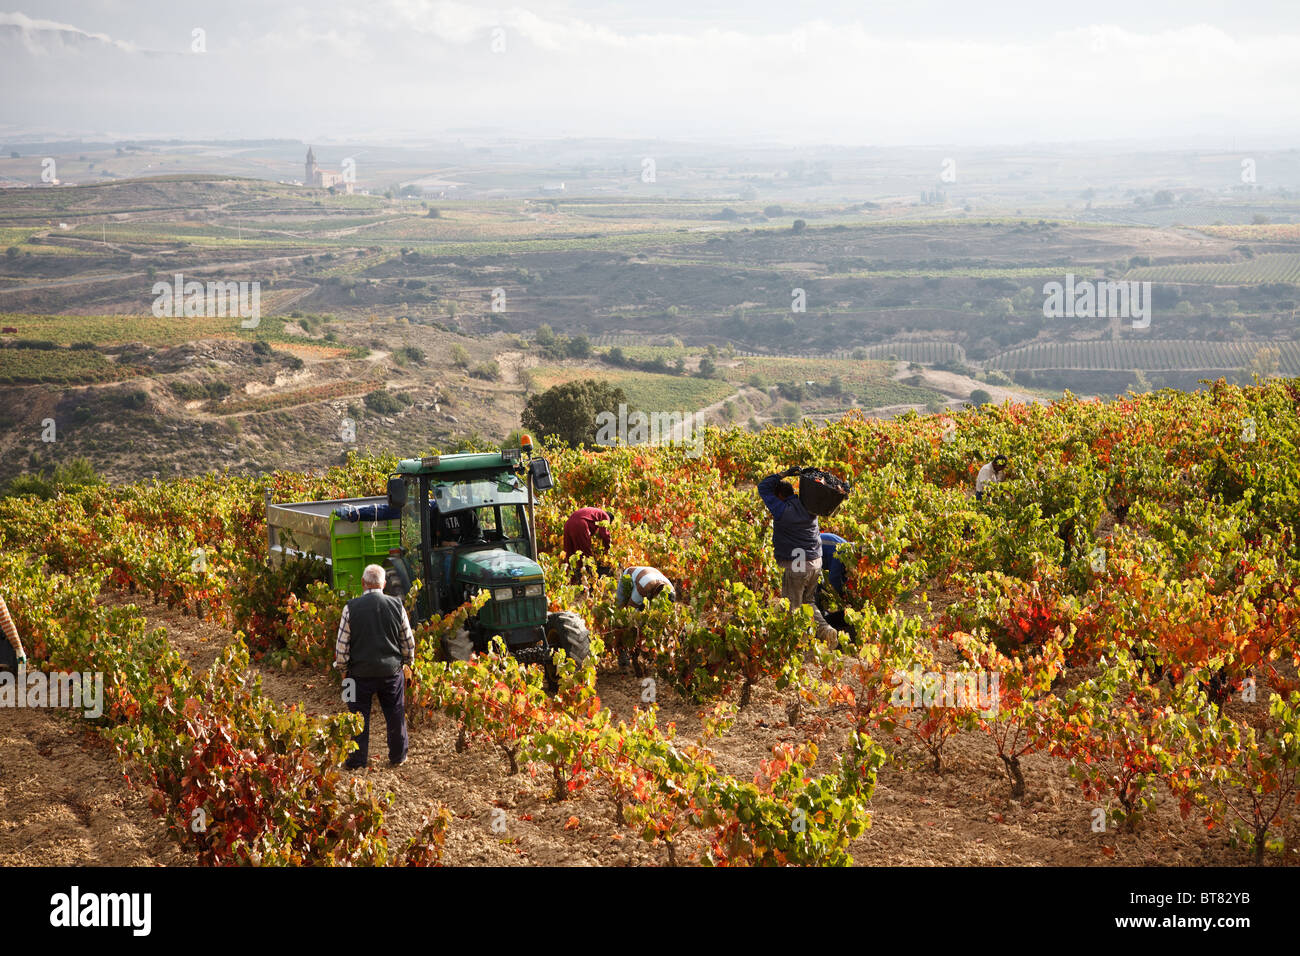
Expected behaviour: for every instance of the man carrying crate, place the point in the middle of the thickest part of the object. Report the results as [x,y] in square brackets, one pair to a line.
[797,545]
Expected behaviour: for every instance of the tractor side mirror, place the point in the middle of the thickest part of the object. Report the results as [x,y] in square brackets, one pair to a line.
[397,493]
[541,474]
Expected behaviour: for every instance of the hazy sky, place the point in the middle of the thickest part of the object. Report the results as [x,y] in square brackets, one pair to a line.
[910,72]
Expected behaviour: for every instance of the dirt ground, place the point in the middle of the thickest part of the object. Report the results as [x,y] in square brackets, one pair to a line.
[62,797]
[64,801]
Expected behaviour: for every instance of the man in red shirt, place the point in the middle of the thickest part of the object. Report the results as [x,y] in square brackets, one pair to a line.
[584,525]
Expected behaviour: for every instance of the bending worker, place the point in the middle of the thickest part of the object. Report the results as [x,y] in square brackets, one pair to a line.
[637,586]
[579,530]
[990,474]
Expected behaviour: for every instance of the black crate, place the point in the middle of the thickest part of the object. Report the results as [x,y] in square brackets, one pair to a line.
[821,492]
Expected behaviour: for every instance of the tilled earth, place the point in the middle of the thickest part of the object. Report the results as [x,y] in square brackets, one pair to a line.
[63,799]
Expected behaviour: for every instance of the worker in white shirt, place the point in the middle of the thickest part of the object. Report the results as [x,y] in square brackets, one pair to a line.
[991,473]
[637,586]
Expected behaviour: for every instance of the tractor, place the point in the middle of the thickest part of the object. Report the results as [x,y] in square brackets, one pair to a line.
[450,527]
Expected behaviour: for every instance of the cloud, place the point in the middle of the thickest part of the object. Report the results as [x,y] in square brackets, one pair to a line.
[46,36]
[429,65]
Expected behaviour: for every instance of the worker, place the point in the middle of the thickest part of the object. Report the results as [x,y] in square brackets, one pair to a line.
[637,586]
[375,650]
[581,526]
[640,584]
[990,474]
[12,655]
[834,569]
[797,544]
[834,575]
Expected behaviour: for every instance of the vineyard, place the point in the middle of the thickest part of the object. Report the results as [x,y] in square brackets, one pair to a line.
[299,396]
[1272,267]
[21,366]
[926,352]
[1127,601]
[1159,355]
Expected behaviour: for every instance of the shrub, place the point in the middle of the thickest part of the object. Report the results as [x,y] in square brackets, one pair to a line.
[383,402]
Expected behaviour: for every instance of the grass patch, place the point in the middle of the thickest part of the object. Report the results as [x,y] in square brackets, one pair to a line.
[645,390]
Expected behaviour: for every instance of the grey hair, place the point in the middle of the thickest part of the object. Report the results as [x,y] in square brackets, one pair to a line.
[373,576]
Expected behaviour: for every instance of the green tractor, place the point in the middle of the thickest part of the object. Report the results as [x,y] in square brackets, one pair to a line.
[450,527]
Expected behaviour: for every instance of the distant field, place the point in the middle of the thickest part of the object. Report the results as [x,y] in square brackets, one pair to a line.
[924,352]
[644,390]
[1274,267]
[1271,231]
[204,235]
[603,243]
[122,329]
[11,236]
[59,367]
[1199,216]
[1150,356]
[302,396]
[956,272]
[39,248]
[872,382]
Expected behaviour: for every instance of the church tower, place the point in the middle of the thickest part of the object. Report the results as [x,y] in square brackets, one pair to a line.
[310,178]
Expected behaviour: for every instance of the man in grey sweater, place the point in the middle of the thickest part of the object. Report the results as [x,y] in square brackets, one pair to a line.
[797,544]
[375,650]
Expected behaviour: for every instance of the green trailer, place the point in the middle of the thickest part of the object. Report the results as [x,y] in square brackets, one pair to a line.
[312,529]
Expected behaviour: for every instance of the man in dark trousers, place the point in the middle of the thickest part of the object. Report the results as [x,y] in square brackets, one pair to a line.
[579,530]
[375,650]
[797,544]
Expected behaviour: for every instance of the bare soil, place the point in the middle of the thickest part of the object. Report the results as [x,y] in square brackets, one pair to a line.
[70,804]
[65,802]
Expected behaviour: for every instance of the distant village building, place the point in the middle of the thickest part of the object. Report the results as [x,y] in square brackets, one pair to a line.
[324,178]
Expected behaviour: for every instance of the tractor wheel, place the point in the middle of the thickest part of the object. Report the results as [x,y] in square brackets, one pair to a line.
[458,647]
[565,631]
